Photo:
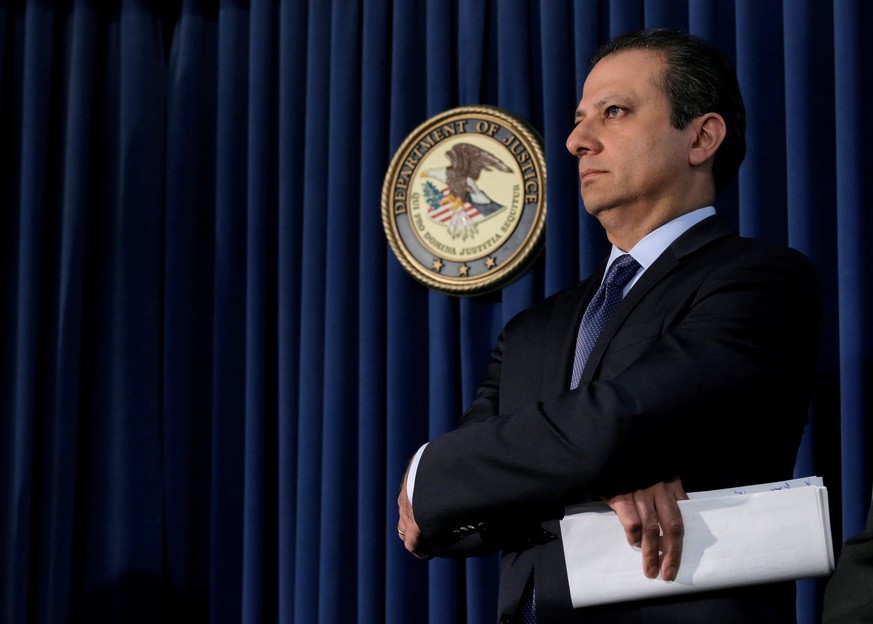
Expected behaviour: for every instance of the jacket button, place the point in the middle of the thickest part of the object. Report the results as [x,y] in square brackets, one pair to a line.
[506,619]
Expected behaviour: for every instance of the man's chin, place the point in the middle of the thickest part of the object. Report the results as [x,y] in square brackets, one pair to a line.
[596,207]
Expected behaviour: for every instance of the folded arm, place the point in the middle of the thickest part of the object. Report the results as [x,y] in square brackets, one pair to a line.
[687,385]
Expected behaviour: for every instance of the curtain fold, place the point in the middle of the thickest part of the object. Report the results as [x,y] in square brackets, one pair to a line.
[292,68]
[373,511]
[852,69]
[192,237]
[215,370]
[21,522]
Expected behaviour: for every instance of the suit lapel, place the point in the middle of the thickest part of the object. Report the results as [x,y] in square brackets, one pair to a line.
[563,328]
[688,243]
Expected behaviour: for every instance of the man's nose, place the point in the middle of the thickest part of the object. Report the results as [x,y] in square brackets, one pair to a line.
[581,139]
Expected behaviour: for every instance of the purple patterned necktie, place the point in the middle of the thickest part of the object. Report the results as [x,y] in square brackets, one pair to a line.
[604,303]
[528,605]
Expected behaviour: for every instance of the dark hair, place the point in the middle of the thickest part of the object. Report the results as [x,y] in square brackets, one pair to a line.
[697,79]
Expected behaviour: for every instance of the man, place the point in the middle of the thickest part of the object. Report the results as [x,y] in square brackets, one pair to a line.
[698,380]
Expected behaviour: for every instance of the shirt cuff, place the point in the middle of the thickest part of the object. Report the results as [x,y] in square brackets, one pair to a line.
[413,468]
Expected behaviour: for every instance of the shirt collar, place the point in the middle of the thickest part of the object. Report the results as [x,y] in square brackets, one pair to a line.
[653,244]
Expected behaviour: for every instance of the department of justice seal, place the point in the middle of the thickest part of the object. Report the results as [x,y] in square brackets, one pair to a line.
[464,200]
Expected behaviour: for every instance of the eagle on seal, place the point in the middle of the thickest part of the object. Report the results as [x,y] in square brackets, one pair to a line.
[467,163]
[462,203]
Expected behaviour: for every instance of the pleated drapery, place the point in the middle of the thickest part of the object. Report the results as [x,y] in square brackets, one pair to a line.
[214,370]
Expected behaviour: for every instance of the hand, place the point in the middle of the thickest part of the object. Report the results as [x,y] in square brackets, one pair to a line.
[652,521]
[407,528]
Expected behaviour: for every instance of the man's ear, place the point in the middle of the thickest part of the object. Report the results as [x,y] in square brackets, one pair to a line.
[709,132]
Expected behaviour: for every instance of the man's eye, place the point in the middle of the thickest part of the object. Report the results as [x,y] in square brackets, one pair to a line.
[613,111]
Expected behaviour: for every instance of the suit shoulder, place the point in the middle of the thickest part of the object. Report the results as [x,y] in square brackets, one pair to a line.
[758,251]
[559,303]
[719,243]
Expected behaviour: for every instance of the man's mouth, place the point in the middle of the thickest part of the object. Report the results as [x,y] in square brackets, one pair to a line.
[589,173]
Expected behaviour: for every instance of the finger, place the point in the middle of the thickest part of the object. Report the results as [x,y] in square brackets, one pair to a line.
[407,528]
[405,518]
[412,541]
[650,544]
[672,533]
[674,487]
[626,512]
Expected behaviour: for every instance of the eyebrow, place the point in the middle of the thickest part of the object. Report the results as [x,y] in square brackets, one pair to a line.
[601,102]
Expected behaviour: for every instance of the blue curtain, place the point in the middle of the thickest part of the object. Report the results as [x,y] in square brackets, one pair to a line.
[213,369]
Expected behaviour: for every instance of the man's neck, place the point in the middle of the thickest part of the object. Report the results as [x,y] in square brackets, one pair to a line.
[625,228]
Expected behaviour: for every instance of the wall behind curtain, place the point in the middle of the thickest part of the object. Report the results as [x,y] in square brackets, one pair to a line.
[214,370]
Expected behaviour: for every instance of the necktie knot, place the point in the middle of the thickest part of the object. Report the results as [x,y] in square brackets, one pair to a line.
[604,303]
[622,270]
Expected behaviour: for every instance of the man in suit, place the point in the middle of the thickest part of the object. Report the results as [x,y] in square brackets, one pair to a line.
[698,380]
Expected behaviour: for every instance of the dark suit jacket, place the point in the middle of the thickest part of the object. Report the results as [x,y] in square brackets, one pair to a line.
[703,372]
[848,597]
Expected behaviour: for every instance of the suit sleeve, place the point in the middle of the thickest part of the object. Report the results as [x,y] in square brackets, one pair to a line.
[736,349]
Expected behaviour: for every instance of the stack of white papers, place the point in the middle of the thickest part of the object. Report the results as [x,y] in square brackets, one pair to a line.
[740,536]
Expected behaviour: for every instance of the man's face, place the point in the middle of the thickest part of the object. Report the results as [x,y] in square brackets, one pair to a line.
[632,162]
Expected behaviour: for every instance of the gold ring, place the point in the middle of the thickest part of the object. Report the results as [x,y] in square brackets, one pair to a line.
[402,533]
